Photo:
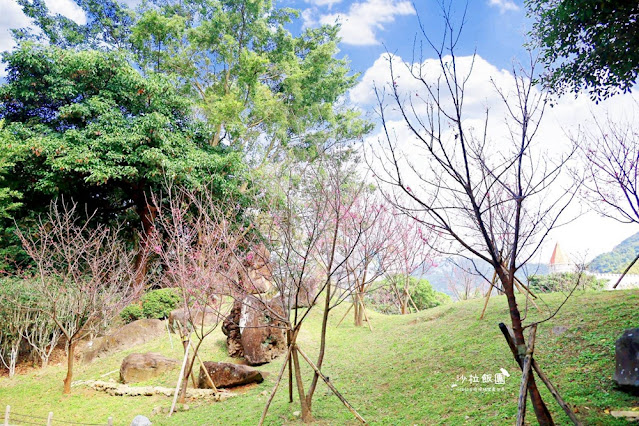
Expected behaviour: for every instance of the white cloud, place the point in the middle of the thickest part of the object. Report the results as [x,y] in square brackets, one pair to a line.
[67,8]
[362,20]
[587,236]
[11,16]
[328,3]
[504,5]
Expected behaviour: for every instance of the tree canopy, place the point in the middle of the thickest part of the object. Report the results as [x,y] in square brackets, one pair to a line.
[587,45]
[87,125]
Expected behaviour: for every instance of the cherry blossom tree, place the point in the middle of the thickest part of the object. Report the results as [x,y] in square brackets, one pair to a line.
[84,274]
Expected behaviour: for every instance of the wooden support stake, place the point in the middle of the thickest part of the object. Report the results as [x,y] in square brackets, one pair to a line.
[347,311]
[206,371]
[555,393]
[490,290]
[110,421]
[277,384]
[522,289]
[177,387]
[7,413]
[50,418]
[330,385]
[523,388]
[363,307]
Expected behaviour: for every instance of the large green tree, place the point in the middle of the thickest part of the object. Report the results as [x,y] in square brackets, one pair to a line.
[87,125]
[588,45]
[265,91]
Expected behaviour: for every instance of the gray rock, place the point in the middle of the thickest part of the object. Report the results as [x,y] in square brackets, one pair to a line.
[133,334]
[141,367]
[627,360]
[140,420]
[186,319]
[263,335]
[225,375]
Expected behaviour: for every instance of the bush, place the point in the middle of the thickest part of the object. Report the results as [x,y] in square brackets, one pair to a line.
[425,296]
[131,313]
[384,298]
[564,281]
[159,303]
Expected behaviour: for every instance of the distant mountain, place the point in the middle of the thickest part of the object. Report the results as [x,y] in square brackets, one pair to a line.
[619,258]
[440,275]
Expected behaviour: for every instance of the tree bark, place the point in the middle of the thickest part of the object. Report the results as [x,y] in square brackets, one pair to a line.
[70,358]
[307,416]
[541,411]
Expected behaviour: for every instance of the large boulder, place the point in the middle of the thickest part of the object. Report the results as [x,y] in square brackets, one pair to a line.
[141,367]
[182,318]
[263,335]
[132,334]
[627,360]
[226,375]
[231,328]
[256,272]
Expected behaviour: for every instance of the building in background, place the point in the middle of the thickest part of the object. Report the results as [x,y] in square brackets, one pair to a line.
[559,262]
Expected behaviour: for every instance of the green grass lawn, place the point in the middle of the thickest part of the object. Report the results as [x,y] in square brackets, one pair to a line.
[400,374]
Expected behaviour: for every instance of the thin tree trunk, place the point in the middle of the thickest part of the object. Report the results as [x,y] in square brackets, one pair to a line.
[307,416]
[70,358]
[541,411]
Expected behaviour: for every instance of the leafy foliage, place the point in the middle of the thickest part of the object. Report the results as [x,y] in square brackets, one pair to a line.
[564,281]
[132,313]
[159,303]
[87,125]
[588,44]
[384,298]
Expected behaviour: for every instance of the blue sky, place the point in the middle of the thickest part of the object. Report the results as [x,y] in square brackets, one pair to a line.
[494,29]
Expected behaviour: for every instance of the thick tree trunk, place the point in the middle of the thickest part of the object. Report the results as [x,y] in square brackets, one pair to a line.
[70,359]
[541,411]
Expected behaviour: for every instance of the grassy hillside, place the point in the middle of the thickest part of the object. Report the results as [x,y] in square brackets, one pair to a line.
[400,374]
[616,261]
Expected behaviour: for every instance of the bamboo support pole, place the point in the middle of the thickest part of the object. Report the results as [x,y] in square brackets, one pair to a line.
[177,387]
[555,393]
[277,384]
[490,290]
[346,313]
[206,371]
[330,385]
[523,388]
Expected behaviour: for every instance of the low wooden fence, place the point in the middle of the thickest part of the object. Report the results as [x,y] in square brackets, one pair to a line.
[12,418]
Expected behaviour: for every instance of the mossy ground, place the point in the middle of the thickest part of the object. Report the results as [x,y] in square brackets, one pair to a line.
[401,373]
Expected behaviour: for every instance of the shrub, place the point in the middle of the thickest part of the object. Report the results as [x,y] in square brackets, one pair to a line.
[425,296]
[159,303]
[131,313]
[564,281]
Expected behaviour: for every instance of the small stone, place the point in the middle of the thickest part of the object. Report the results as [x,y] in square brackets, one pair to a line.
[264,393]
[297,413]
[140,420]
[559,330]
[157,410]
